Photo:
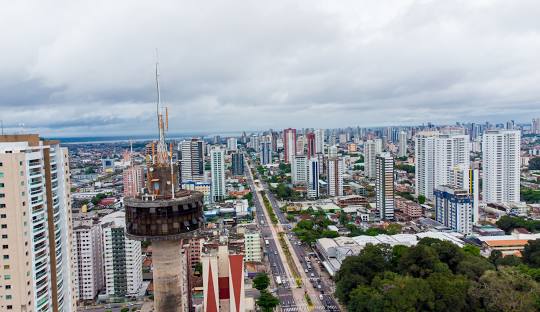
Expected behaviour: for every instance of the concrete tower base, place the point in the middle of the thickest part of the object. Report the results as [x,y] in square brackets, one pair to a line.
[167,262]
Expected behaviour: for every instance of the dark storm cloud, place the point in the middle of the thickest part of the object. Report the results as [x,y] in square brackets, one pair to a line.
[76,68]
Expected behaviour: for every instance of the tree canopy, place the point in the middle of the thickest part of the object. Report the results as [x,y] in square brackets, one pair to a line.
[267,302]
[436,275]
[261,281]
[509,223]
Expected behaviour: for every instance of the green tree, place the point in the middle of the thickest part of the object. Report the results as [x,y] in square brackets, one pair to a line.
[267,302]
[261,281]
[420,261]
[343,218]
[506,290]
[472,250]
[405,167]
[96,199]
[529,195]
[473,267]
[495,256]
[198,268]
[450,291]
[534,163]
[329,234]
[361,269]
[393,229]
[531,254]
[448,253]
[393,292]
[421,199]
[509,260]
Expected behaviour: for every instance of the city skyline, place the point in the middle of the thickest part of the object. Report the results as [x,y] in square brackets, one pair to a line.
[76,69]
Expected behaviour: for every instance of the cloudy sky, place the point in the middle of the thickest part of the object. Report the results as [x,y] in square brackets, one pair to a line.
[78,68]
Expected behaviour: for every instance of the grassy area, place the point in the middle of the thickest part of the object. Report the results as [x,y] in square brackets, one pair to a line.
[269,208]
[308,300]
[290,259]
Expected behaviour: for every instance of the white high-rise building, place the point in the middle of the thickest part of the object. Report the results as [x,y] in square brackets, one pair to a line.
[122,257]
[424,155]
[252,247]
[319,141]
[289,144]
[384,186]
[255,142]
[333,151]
[335,177]
[501,166]
[436,155]
[453,208]
[299,170]
[88,258]
[313,178]
[301,143]
[133,180]
[232,144]
[192,160]
[371,149]
[343,138]
[403,144]
[35,226]
[450,151]
[217,167]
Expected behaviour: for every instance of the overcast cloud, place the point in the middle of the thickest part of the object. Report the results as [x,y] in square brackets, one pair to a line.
[86,68]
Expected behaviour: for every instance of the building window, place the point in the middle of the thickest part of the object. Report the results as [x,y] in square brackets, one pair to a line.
[2,185]
[1,174]
[2,205]
[3,216]
[5,246]
[2,195]
[7,277]
[4,226]
[6,257]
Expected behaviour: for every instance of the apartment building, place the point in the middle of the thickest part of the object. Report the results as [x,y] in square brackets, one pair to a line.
[35,225]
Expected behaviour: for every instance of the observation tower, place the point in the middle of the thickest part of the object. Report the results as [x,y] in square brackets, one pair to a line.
[164,214]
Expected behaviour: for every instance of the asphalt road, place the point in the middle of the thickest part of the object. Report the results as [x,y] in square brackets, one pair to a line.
[283,291]
[301,251]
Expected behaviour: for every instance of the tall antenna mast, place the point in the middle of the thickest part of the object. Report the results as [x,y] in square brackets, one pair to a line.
[158,92]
